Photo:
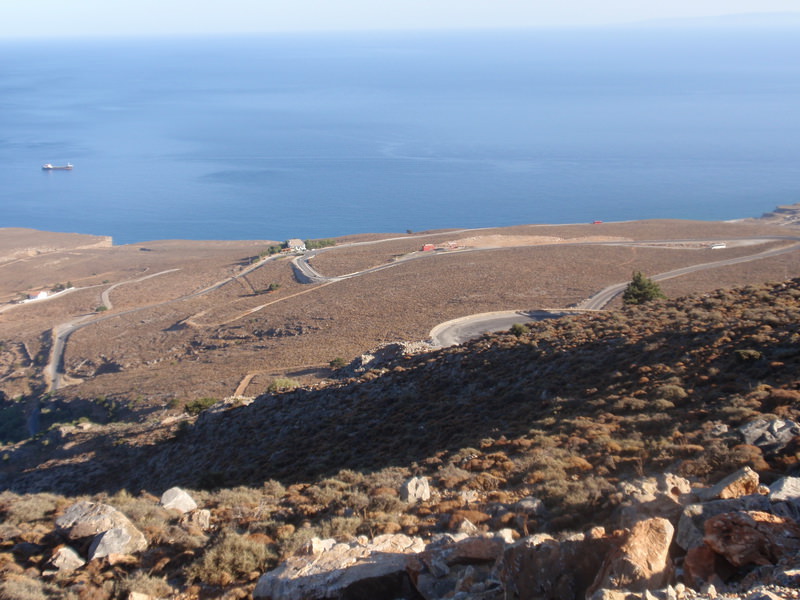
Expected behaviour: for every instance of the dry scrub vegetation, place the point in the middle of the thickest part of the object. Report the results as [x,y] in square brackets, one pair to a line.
[562,412]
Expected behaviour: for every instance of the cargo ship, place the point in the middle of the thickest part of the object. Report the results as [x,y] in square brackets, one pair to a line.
[49,167]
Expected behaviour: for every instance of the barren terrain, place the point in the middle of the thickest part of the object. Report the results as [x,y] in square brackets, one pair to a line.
[170,337]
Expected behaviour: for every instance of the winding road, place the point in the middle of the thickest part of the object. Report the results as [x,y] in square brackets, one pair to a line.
[54,373]
[466,328]
[445,334]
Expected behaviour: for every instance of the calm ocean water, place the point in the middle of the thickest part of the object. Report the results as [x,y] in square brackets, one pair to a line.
[322,135]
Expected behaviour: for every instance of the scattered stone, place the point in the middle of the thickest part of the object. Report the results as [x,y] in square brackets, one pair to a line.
[416,489]
[66,559]
[177,499]
[642,562]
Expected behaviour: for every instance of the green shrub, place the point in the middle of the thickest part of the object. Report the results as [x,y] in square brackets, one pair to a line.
[232,556]
[747,355]
[518,329]
[315,244]
[29,507]
[671,392]
[641,289]
[195,407]
[337,363]
[283,384]
[340,527]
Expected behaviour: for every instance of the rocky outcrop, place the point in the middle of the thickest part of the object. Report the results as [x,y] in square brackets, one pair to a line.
[384,355]
[717,543]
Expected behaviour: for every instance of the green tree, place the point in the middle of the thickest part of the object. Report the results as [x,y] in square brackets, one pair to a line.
[641,289]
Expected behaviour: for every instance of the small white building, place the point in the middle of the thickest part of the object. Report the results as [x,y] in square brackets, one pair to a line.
[296,245]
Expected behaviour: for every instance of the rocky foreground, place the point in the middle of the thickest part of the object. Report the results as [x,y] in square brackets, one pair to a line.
[647,452]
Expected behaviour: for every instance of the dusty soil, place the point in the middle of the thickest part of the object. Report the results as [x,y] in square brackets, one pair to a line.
[159,344]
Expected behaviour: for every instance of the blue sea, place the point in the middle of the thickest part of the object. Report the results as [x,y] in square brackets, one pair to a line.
[278,136]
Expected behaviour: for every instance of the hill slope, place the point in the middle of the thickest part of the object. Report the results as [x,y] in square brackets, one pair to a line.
[563,413]
[647,380]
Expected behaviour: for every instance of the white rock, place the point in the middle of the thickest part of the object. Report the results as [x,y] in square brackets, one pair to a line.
[66,559]
[786,489]
[416,489]
[177,499]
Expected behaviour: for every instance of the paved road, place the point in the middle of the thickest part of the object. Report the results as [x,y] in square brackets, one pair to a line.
[466,328]
[460,330]
[606,295]
[305,273]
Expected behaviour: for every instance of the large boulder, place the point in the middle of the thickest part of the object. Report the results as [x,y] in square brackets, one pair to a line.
[540,567]
[357,570]
[117,540]
[752,537]
[85,520]
[642,562]
[691,526]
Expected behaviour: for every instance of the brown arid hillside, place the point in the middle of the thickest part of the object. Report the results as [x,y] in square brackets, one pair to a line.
[159,325]
[565,413]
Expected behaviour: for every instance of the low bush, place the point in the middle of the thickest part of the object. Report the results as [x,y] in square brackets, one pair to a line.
[283,384]
[195,407]
[231,557]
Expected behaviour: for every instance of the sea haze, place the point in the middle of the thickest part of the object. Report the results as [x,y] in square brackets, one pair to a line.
[323,135]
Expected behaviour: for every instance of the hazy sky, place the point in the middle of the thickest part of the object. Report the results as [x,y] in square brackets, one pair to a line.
[146,17]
